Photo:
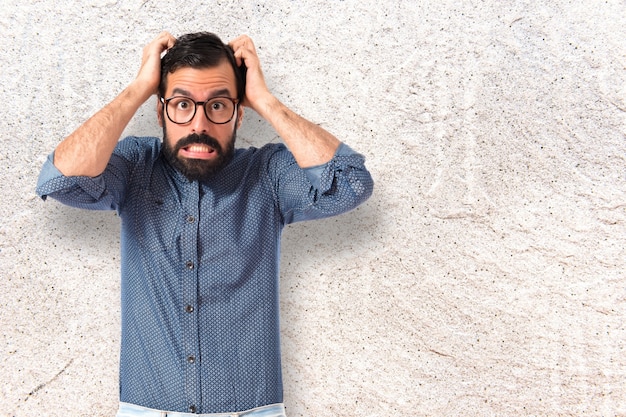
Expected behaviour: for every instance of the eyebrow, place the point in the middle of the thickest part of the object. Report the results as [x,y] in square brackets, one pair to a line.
[217,93]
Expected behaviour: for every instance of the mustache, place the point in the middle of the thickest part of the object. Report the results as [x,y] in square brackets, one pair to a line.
[201,139]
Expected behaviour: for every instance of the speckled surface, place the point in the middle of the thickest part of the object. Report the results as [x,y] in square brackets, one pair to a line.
[485,276]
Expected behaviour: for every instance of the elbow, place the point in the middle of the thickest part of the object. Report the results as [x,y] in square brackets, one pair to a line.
[358,188]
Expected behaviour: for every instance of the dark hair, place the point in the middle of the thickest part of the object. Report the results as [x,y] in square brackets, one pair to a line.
[200,50]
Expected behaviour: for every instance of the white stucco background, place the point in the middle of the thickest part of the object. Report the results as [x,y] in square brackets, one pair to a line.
[485,276]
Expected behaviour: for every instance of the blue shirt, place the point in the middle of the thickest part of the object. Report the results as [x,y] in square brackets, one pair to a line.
[199,287]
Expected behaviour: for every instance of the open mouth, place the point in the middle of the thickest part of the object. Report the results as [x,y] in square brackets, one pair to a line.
[198,151]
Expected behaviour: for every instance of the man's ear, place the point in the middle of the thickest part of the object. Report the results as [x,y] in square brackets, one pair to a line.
[159,111]
[240,113]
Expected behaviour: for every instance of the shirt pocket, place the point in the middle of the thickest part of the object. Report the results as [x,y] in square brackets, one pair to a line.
[157,222]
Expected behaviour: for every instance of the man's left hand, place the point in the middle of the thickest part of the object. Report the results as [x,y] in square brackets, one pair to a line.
[257,95]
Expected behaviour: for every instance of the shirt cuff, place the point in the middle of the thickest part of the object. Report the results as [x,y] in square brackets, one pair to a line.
[314,174]
[52,181]
[48,173]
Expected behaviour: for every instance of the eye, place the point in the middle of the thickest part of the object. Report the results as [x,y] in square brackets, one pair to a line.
[218,105]
[182,104]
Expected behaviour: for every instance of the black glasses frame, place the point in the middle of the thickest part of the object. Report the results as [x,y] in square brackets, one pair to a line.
[195,109]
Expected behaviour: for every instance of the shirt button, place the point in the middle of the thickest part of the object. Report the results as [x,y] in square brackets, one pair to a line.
[189,308]
[191,359]
[189,265]
[192,409]
[190,219]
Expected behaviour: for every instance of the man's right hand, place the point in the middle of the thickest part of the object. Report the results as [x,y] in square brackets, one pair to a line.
[149,75]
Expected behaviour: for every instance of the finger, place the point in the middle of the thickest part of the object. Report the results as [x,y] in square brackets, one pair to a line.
[245,52]
[165,40]
[235,43]
[242,42]
[171,40]
[238,56]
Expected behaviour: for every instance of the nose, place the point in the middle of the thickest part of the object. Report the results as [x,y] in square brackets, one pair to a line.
[200,123]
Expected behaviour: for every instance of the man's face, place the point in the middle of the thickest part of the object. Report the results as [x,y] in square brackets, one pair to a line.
[200,148]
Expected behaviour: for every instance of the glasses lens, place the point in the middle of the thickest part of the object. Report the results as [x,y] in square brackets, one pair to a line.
[219,110]
[181,109]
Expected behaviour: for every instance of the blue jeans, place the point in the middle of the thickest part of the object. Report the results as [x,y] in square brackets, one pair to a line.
[131,410]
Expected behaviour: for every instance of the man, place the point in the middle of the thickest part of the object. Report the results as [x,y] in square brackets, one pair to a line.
[201,223]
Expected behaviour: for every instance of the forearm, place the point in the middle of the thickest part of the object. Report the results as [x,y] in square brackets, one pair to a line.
[87,151]
[310,144]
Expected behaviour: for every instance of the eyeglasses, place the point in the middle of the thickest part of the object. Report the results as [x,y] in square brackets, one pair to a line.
[181,110]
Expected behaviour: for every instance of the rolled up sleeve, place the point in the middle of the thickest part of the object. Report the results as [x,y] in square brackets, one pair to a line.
[75,191]
[336,187]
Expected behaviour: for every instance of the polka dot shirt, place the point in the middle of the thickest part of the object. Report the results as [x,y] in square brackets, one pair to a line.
[200,330]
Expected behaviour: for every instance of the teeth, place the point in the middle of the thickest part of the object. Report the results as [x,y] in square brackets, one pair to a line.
[199,148]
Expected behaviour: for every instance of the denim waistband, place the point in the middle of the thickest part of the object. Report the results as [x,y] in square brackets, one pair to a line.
[132,410]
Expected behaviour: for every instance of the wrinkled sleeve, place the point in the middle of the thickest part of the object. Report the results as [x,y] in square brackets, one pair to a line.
[326,190]
[104,192]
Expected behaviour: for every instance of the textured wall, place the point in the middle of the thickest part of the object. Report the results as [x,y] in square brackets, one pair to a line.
[486,275]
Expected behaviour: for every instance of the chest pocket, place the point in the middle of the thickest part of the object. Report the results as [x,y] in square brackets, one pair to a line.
[157,222]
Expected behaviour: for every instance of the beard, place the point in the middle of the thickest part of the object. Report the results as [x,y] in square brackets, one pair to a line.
[198,169]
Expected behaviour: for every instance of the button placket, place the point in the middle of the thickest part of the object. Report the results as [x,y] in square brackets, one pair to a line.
[189,259]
